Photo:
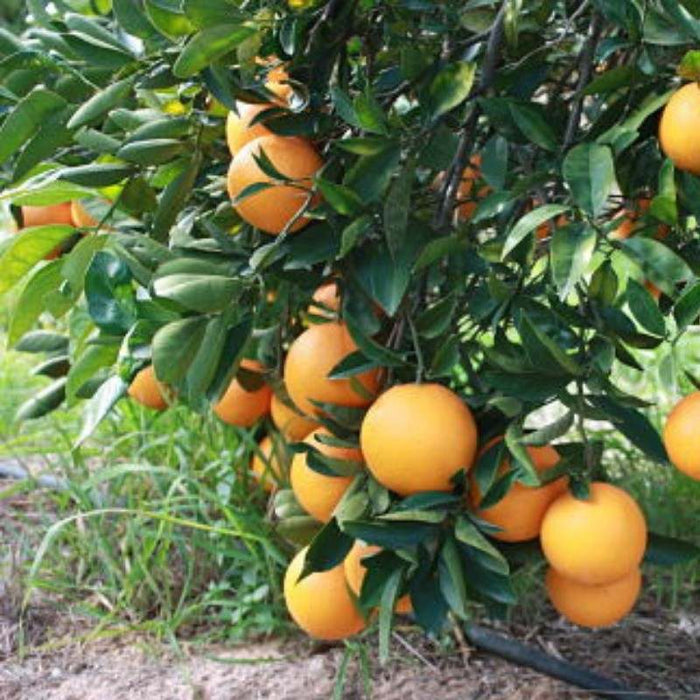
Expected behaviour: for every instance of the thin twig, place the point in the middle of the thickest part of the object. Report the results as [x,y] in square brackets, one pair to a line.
[450,187]
[585,68]
[420,362]
[414,651]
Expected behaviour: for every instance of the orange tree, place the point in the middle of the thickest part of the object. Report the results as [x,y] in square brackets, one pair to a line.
[334,201]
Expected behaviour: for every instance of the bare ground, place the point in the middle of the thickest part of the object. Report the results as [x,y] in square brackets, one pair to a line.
[652,651]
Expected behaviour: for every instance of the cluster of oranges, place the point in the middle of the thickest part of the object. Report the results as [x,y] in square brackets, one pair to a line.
[71,213]
[414,437]
[273,200]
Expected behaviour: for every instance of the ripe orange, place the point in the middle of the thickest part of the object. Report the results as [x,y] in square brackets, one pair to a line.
[593,606]
[317,493]
[415,437]
[327,300]
[545,230]
[682,437]
[355,572]
[45,215]
[241,407]
[147,390]
[519,513]
[310,359]
[653,290]
[678,129]
[273,208]
[239,132]
[81,216]
[268,466]
[290,422]
[597,541]
[320,603]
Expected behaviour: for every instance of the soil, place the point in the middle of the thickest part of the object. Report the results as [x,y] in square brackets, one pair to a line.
[652,651]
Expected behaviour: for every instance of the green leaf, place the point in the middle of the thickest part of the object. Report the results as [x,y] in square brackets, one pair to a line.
[47,400]
[389,535]
[100,405]
[370,175]
[42,342]
[452,578]
[689,67]
[589,171]
[450,87]
[91,360]
[467,533]
[203,293]
[533,125]
[494,164]
[390,595]
[52,135]
[634,425]
[446,358]
[110,296]
[175,347]
[613,79]
[168,18]
[26,117]
[543,352]
[328,549]
[152,151]
[661,265]
[344,106]
[208,45]
[173,198]
[101,103]
[435,320]
[370,114]
[669,551]
[27,248]
[131,18]
[97,174]
[645,309]
[571,252]
[397,207]
[344,200]
[687,308]
[528,223]
[39,293]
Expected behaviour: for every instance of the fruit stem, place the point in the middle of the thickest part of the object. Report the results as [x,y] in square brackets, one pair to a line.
[420,361]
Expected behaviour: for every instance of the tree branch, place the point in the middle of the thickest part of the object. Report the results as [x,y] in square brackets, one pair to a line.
[448,193]
[585,68]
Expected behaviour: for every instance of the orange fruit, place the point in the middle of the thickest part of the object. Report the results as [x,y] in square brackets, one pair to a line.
[268,464]
[653,290]
[682,435]
[310,359]
[593,606]
[355,572]
[239,131]
[678,129]
[147,390]
[320,603]
[241,407]
[519,513]
[597,541]
[81,216]
[317,493]
[272,209]
[327,300]
[45,215]
[465,199]
[546,229]
[415,437]
[289,421]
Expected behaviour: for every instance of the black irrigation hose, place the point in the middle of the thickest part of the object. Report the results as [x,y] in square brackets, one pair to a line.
[525,655]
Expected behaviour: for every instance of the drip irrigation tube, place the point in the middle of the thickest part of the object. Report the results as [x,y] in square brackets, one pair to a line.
[524,655]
